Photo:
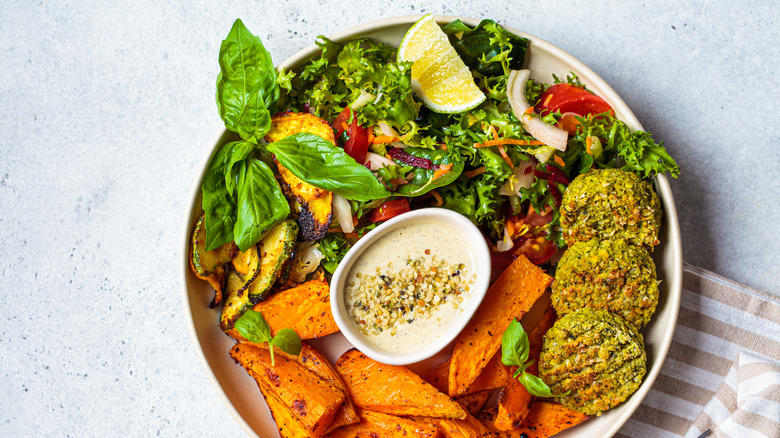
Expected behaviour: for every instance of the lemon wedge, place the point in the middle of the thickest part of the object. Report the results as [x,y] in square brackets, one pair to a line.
[439,76]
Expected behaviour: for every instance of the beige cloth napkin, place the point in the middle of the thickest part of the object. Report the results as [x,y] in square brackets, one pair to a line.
[723,368]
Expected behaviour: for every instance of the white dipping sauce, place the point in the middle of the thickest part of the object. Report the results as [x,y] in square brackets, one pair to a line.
[420,239]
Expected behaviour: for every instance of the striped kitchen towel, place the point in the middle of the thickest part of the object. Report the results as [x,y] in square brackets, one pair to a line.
[722,373]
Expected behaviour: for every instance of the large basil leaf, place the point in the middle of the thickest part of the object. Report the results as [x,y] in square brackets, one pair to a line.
[218,204]
[321,164]
[261,204]
[246,84]
[422,180]
[240,150]
[488,48]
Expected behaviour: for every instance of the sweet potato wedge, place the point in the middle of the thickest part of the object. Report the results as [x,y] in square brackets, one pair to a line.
[286,423]
[473,402]
[511,296]
[313,206]
[392,389]
[469,427]
[378,424]
[304,308]
[514,401]
[312,400]
[493,376]
[543,420]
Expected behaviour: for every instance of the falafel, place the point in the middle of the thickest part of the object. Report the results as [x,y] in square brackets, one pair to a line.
[611,203]
[607,274]
[596,356]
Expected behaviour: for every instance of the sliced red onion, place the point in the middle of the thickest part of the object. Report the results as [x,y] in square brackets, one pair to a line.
[399,155]
[523,178]
[376,161]
[343,212]
[547,134]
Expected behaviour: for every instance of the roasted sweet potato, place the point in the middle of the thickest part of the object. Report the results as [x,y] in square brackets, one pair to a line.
[392,389]
[513,294]
[288,425]
[514,401]
[312,400]
[313,206]
[543,420]
[473,402]
[378,424]
[493,376]
[304,308]
[469,427]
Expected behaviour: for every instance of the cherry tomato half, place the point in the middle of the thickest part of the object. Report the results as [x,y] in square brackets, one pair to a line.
[568,98]
[388,210]
[357,136]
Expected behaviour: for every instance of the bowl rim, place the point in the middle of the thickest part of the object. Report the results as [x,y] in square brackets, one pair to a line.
[482,271]
[674,245]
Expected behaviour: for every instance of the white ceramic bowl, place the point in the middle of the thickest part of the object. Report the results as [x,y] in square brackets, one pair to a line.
[239,392]
[481,262]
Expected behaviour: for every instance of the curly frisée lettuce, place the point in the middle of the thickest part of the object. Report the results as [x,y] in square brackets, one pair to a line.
[458,161]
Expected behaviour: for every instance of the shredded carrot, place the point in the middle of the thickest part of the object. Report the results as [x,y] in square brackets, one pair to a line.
[559,160]
[588,143]
[443,146]
[384,139]
[475,172]
[510,227]
[506,158]
[436,195]
[370,137]
[443,170]
[344,126]
[508,141]
[495,133]
[352,235]
[547,100]
[529,110]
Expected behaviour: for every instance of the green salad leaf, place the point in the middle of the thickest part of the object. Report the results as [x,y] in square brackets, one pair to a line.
[487,48]
[246,84]
[422,180]
[334,247]
[253,326]
[322,164]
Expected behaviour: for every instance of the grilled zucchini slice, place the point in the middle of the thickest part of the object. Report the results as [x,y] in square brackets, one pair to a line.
[275,251]
[262,265]
[313,206]
[209,265]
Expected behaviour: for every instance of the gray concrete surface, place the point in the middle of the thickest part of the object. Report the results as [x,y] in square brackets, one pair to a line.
[107,111]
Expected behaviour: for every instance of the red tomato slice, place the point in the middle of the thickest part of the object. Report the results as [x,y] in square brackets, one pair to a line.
[568,98]
[388,210]
[537,250]
[357,136]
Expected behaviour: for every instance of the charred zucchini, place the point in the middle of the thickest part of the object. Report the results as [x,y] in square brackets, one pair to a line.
[313,206]
[237,301]
[262,265]
[209,265]
[275,251]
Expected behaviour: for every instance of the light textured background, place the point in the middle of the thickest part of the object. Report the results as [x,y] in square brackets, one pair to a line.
[107,112]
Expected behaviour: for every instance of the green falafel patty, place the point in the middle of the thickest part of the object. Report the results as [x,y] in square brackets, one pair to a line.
[611,203]
[607,274]
[597,356]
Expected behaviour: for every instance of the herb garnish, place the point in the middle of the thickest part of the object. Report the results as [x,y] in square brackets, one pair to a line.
[514,352]
[255,329]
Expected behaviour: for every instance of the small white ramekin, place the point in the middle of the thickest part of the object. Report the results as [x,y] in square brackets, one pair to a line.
[479,249]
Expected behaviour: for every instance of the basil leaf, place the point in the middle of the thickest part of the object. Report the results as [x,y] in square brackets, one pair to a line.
[321,164]
[218,203]
[240,150]
[253,326]
[536,386]
[246,84]
[261,204]
[514,345]
[288,341]
[422,181]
